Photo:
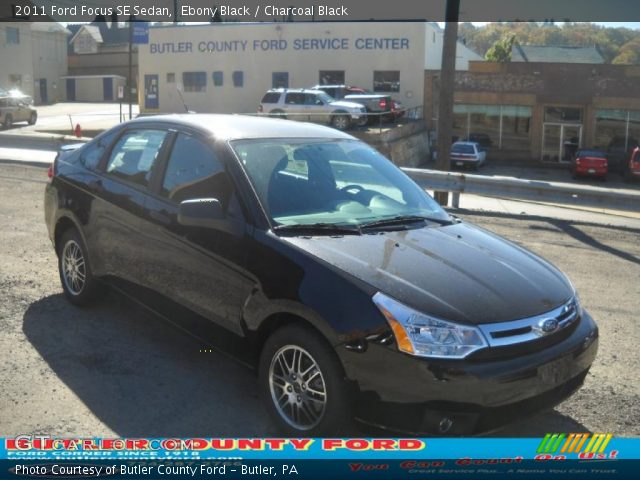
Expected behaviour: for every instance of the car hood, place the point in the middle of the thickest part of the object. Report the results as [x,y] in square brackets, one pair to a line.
[344,104]
[458,272]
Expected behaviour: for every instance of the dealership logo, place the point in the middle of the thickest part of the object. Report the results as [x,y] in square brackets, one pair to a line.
[585,445]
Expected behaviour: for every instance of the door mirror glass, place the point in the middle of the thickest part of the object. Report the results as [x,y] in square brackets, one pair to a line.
[200,212]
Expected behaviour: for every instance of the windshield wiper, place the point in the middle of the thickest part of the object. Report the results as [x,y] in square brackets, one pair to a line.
[322,228]
[403,220]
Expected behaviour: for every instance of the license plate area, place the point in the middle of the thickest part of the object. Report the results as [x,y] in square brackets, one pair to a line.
[556,372]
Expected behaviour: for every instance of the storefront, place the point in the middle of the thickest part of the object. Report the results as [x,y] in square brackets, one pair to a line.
[543,113]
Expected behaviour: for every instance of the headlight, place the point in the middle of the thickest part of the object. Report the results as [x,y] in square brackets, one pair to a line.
[426,336]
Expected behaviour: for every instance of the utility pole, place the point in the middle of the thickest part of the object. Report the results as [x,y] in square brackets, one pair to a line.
[130,79]
[447,78]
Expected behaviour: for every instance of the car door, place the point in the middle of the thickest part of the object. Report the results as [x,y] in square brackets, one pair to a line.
[294,106]
[119,192]
[200,268]
[319,111]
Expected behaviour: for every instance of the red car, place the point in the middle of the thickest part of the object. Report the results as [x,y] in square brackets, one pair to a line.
[589,163]
[633,169]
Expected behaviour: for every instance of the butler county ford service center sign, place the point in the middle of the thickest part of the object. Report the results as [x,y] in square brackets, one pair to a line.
[368,43]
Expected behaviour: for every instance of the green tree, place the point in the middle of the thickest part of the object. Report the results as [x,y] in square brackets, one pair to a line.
[500,51]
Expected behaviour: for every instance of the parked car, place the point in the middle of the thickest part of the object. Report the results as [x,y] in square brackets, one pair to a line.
[319,262]
[379,107]
[589,163]
[313,106]
[619,151]
[632,171]
[468,154]
[15,109]
[482,139]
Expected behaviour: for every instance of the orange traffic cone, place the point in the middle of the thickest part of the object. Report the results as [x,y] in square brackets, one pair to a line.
[78,130]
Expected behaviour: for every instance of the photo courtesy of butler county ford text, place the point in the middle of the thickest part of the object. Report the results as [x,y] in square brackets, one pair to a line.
[319,239]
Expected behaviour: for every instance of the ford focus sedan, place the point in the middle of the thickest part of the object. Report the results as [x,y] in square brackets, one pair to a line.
[322,265]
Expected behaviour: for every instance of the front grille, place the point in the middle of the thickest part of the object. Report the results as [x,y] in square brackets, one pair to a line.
[529,335]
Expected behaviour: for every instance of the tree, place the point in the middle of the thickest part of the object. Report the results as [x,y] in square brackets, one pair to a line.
[501,50]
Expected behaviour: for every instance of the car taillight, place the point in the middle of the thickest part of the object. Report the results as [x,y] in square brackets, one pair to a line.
[578,161]
[383,103]
[50,173]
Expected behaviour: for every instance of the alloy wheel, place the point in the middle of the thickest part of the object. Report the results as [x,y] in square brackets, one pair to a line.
[73,267]
[297,386]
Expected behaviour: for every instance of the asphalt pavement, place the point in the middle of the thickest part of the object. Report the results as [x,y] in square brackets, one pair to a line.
[116,369]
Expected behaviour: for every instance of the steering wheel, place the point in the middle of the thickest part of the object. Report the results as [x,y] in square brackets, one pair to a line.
[347,188]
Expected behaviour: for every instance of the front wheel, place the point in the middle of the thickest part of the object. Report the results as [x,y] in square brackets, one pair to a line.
[78,283]
[341,122]
[33,118]
[8,122]
[303,384]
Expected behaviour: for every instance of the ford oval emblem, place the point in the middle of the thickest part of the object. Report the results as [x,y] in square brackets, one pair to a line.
[548,325]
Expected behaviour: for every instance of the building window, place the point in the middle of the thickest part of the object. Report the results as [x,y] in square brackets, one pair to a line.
[562,115]
[386,81]
[171,78]
[13,35]
[617,132]
[331,77]
[493,126]
[194,81]
[238,78]
[218,78]
[280,80]
[15,80]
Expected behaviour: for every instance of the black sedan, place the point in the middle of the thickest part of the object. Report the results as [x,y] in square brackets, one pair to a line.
[317,261]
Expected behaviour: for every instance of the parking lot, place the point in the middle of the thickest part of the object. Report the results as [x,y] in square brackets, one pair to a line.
[115,369]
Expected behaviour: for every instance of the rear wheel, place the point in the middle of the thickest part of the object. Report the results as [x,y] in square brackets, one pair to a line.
[78,283]
[8,122]
[277,114]
[303,384]
[33,118]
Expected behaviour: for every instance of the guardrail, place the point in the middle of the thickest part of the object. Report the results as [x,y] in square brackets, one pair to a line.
[536,190]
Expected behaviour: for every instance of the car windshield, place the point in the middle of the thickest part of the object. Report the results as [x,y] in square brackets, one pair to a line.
[331,182]
[462,148]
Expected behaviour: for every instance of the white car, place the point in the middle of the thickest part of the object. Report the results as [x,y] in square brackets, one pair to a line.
[311,106]
[470,154]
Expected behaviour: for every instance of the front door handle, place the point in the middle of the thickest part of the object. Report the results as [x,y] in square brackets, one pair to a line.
[160,217]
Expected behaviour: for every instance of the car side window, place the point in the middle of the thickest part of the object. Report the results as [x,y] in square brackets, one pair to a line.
[134,154]
[294,99]
[312,99]
[194,171]
[92,153]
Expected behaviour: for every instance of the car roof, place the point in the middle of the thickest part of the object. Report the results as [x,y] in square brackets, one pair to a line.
[292,90]
[233,127]
[467,143]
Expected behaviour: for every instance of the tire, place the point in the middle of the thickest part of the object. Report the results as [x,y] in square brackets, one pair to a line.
[277,114]
[341,122]
[317,414]
[8,122]
[363,121]
[78,283]
[33,118]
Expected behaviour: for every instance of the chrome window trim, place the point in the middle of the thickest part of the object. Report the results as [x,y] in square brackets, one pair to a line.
[534,323]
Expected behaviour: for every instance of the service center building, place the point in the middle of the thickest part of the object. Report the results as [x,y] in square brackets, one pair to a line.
[227,68]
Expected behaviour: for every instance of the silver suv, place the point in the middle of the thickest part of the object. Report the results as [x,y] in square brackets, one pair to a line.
[16,109]
[312,106]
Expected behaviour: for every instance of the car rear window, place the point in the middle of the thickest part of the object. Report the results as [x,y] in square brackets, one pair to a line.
[271,97]
[462,149]
[591,153]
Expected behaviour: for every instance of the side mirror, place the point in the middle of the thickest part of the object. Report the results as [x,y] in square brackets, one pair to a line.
[200,212]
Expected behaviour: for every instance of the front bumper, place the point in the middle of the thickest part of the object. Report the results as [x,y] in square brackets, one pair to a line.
[414,395]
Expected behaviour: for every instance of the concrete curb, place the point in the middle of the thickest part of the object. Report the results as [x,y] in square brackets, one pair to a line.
[24,163]
[38,141]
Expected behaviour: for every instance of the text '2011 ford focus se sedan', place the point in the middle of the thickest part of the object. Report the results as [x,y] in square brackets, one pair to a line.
[324,266]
